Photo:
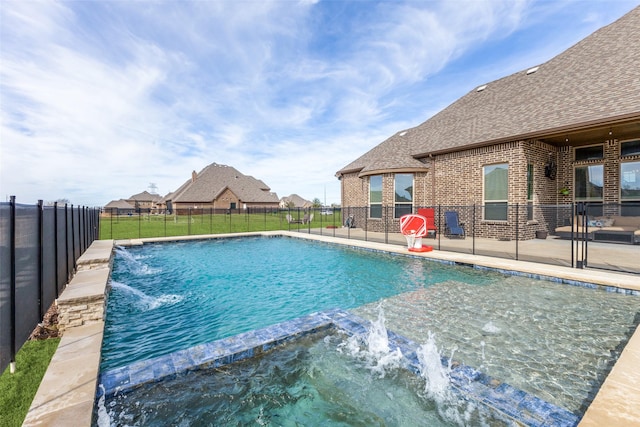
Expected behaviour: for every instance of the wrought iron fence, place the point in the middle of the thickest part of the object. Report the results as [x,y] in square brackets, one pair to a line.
[39,246]
[565,234]
[141,223]
[575,235]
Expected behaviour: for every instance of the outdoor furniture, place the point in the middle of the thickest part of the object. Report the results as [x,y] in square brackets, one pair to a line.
[307,218]
[429,214]
[452,226]
[613,229]
[290,220]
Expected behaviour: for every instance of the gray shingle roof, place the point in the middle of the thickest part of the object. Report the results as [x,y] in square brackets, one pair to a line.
[211,181]
[596,81]
[118,204]
[145,196]
[297,201]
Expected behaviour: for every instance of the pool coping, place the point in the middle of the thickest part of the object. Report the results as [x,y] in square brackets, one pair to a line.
[59,401]
[511,404]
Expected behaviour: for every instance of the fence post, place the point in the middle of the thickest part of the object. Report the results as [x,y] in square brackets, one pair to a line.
[73,242]
[473,230]
[517,226]
[41,257]
[55,239]
[66,241]
[12,249]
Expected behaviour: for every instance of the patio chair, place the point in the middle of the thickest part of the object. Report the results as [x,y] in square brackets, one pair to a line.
[452,226]
[307,219]
[429,214]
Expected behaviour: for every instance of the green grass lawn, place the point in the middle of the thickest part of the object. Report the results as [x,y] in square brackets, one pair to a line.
[125,227]
[17,390]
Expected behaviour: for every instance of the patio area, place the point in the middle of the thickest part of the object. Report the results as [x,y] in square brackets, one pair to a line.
[552,250]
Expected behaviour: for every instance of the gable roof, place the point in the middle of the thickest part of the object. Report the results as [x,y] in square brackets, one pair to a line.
[211,181]
[118,204]
[593,83]
[145,196]
[297,201]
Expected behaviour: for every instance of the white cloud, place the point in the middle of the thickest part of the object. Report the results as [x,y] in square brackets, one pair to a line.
[99,99]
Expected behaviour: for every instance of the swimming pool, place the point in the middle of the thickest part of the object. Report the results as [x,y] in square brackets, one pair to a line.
[310,276]
[170,296]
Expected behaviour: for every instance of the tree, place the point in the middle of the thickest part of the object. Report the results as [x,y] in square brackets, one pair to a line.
[316,203]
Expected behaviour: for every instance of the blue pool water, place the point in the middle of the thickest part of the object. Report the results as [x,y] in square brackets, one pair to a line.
[166,297]
[553,341]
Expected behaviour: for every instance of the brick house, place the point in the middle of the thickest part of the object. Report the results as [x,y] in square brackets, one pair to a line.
[221,187]
[145,201]
[295,201]
[565,131]
[118,207]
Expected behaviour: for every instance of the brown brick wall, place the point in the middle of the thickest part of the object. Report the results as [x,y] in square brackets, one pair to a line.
[455,181]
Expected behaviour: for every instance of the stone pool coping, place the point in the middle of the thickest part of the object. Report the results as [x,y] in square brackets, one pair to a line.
[511,404]
[67,392]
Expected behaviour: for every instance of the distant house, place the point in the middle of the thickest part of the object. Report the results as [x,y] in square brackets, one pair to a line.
[145,201]
[118,207]
[221,187]
[567,130]
[295,201]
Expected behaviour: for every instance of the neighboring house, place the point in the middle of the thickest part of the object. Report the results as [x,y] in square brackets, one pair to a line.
[295,201]
[118,207]
[567,130]
[145,201]
[221,187]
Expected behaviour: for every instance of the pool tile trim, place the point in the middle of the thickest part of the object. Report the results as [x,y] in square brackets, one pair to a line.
[498,398]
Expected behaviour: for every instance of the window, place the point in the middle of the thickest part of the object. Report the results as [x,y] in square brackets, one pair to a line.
[594,152]
[630,181]
[630,148]
[530,192]
[375,196]
[403,184]
[496,190]
[589,183]
[630,188]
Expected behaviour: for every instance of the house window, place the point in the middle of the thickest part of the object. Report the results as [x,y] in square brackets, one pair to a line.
[375,196]
[589,183]
[594,152]
[630,188]
[530,192]
[496,190]
[403,184]
[630,148]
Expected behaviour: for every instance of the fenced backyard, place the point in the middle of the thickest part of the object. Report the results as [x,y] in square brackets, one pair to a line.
[572,235]
[117,224]
[39,245]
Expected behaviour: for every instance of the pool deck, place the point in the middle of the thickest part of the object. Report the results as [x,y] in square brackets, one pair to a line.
[67,393]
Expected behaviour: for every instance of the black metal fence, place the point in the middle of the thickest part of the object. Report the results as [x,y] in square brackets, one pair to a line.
[39,247]
[141,223]
[594,235]
[572,234]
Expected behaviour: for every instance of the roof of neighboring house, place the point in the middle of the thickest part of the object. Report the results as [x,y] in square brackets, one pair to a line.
[145,196]
[594,82]
[118,204]
[213,180]
[297,201]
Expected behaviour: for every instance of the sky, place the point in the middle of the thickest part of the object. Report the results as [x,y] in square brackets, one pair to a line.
[101,100]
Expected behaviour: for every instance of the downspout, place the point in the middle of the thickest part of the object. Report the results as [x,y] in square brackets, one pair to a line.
[433,183]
